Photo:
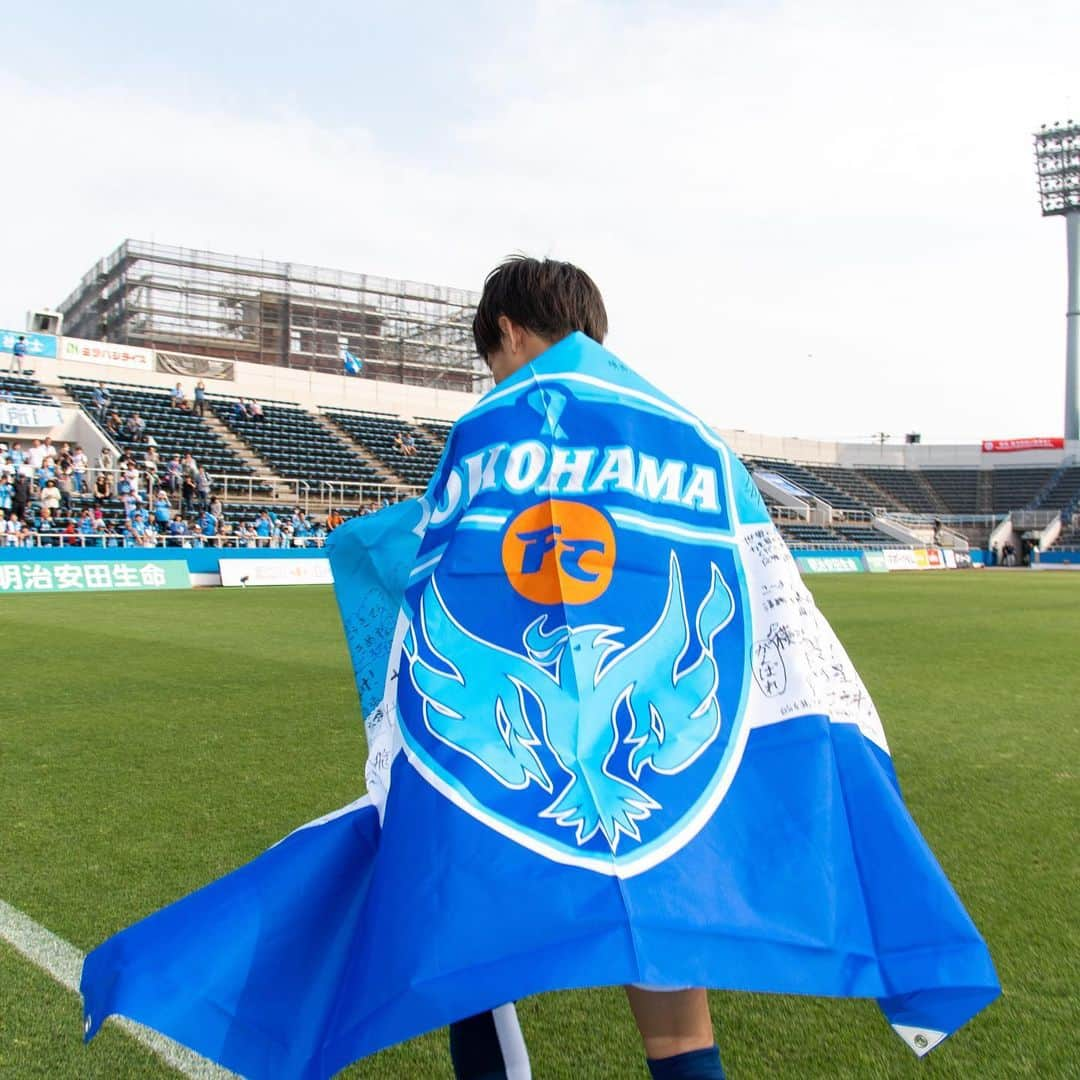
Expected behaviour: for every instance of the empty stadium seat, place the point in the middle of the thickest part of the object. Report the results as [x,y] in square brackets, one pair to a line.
[376,433]
[296,445]
[174,431]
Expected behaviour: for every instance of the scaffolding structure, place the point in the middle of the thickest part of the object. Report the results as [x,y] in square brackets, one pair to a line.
[287,314]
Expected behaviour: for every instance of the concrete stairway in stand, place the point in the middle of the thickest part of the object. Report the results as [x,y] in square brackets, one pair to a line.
[361,451]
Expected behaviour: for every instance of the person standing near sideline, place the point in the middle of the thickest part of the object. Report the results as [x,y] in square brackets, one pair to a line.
[526,307]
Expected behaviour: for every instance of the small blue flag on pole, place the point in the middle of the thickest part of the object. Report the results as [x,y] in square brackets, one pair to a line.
[611,739]
[353,364]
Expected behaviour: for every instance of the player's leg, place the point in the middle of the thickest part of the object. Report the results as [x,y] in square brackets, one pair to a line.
[677,1031]
[490,1046]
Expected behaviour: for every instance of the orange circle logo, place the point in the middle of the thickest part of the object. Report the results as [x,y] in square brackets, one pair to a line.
[559,552]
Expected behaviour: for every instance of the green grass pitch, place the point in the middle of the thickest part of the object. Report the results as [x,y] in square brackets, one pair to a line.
[149,743]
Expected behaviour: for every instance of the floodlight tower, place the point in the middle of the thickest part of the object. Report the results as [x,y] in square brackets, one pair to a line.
[1057,160]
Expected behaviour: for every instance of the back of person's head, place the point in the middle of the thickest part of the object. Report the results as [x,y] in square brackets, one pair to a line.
[549,298]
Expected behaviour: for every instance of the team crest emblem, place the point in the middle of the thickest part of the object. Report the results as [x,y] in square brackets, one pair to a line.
[588,700]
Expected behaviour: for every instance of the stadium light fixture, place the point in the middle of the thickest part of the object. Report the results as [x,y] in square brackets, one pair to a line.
[1057,163]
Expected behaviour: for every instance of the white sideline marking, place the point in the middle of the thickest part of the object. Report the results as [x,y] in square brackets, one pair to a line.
[63,962]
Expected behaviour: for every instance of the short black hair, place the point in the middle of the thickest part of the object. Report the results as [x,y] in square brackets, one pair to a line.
[549,298]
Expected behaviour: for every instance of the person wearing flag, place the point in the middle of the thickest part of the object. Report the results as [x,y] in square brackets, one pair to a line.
[611,741]
[353,365]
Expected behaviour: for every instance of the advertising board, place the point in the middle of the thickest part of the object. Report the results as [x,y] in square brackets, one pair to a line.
[37,345]
[130,357]
[1011,446]
[900,559]
[251,572]
[15,416]
[829,564]
[128,575]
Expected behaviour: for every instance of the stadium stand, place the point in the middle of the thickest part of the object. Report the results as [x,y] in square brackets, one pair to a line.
[26,390]
[1016,488]
[904,488]
[1069,537]
[174,431]
[856,484]
[862,535]
[362,450]
[807,478]
[377,433]
[795,533]
[296,445]
[1062,491]
[958,489]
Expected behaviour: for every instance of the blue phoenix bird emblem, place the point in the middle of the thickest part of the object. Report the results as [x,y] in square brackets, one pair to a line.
[580,678]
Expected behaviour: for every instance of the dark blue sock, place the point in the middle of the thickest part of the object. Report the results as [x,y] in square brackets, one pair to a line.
[693,1065]
[475,1050]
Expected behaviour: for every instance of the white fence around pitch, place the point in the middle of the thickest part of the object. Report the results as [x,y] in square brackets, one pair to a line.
[116,541]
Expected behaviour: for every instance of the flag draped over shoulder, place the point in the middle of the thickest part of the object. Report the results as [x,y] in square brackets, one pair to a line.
[611,740]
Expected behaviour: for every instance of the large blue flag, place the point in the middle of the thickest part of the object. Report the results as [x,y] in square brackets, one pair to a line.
[611,740]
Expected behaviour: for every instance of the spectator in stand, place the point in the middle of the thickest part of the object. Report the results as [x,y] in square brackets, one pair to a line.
[63,457]
[173,474]
[136,427]
[202,488]
[246,536]
[16,454]
[11,531]
[208,527]
[80,465]
[85,525]
[45,472]
[162,510]
[264,528]
[239,410]
[46,529]
[189,466]
[301,530]
[131,475]
[102,399]
[255,410]
[20,498]
[408,444]
[102,488]
[200,398]
[7,495]
[187,494]
[50,448]
[151,464]
[179,398]
[334,519]
[217,509]
[105,459]
[63,482]
[318,534]
[113,424]
[18,351]
[36,454]
[50,498]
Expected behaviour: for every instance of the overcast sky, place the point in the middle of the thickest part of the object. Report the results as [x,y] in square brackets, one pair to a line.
[812,218]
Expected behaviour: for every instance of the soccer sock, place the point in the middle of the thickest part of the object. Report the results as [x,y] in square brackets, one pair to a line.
[489,1046]
[693,1065]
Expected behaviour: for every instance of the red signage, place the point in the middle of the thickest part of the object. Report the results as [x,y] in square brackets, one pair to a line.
[1005,446]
